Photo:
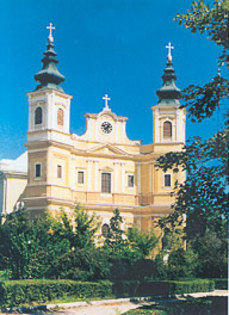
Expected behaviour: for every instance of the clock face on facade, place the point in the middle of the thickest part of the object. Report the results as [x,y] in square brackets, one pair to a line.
[106,127]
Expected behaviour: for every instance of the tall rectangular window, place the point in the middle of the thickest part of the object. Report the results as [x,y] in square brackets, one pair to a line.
[59,171]
[130,180]
[80,177]
[167,180]
[106,182]
[37,170]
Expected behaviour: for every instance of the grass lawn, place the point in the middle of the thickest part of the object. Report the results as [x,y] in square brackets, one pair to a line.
[192,306]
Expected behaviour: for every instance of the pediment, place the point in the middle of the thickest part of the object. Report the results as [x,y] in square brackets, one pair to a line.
[107,149]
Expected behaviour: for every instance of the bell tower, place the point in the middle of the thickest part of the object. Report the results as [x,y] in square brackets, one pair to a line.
[168,117]
[49,106]
[48,132]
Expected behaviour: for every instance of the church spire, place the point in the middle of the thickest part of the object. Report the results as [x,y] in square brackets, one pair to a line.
[49,77]
[169,92]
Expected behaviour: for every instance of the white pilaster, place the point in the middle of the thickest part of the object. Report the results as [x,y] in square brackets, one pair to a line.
[96,175]
[116,177]
[139,177]
[123,177]
[156,125]
[89,175]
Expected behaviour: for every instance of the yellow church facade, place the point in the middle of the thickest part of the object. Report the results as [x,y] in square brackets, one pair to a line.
[102,169]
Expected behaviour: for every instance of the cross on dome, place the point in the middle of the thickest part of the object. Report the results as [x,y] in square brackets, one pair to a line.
[106,99]
[170,47]
[50,28]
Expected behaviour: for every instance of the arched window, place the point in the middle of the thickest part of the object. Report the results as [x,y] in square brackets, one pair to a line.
[167,130]
[38,116]
[60,117]
[105,230]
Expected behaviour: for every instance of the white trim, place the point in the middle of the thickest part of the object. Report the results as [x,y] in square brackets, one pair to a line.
[61,177]
[171,139]
[139,177]
[82,171]
[89,175]
[130,174]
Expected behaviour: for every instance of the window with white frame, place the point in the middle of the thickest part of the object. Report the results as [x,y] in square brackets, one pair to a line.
[37,170]
[80,177]
[130,180]
[106,182]
[59,171]
[167,180]
[167,130]
[38,116]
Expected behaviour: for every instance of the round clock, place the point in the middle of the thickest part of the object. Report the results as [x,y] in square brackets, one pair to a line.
[106,127]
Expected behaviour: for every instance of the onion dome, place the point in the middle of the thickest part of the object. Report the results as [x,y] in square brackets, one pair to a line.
[49,77]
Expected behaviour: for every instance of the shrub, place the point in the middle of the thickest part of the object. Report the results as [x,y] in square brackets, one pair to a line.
[197,285]
[221,284]
[81,265]
[13,293]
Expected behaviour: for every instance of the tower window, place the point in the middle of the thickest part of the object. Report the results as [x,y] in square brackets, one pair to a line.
[60,117]
[80,177]
[105,230]
[59,171]
[38,116]
[37,170]
[167,130]
[130,180]
[167,180]
[106,182]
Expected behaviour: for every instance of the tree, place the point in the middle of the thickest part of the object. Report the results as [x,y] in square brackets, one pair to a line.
[144,242]
[28,246]
[115,242]
[202,200]
[201,102]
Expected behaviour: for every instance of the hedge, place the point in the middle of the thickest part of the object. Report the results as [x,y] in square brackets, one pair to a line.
[13,293]
[191,286]
[21,292]
[221,284]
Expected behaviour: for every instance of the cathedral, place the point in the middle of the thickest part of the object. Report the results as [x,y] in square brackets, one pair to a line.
[102,169]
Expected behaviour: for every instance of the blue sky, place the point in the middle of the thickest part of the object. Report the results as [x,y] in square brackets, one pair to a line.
[104,46]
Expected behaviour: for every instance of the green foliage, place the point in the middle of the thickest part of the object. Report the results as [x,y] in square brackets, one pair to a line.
[81,264]
[21,292]
[115,242]
[13,293]
[182,263]
[133,245]
[197,285]
[221,284]
[32,248]
[212,255]
[161,269]
[142,241]
[28,246]
[201,102]
[85,229]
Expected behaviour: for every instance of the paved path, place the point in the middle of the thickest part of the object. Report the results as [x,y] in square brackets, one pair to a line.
[117,308]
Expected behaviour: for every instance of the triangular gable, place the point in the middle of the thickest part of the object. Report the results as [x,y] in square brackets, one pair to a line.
[107,149]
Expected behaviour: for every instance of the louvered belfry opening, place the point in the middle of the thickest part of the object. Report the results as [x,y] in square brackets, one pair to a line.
[60,117]
[167,130]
